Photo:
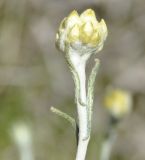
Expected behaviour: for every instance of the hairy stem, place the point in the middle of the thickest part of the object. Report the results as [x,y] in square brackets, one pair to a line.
[82,116]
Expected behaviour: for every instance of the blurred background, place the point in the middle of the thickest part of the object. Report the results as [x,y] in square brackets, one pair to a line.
[34,76]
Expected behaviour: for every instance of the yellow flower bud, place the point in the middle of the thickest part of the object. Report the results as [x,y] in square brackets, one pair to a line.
[57,36]
[103,29]
[72,19]
[86,32]
[81,31]
[118,102]
[95,38]
[62,25]
[74,34]
[89,16]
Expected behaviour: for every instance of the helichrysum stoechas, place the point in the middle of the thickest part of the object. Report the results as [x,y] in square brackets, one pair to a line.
[118,102]
[82,32]
[79,37]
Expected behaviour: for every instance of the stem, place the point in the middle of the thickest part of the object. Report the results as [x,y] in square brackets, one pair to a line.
[82,116]
[107,145]
[26,153]
[77,64]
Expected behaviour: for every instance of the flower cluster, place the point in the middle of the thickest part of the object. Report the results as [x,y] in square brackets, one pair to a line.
[81,31]
[118,102]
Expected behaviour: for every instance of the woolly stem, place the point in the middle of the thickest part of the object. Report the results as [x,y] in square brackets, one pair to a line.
[82,116]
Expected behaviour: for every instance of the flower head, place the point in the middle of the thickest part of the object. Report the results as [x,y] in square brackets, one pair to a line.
[118,102]
[81,32]
[21,134]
